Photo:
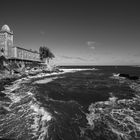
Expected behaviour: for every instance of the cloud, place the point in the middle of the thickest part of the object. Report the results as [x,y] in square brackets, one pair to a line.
[91,44]
[92,47]
[67,57]
[135,55]
[42,32]
[75,58]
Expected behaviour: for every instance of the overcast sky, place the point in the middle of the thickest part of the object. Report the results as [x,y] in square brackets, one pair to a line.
[79,32]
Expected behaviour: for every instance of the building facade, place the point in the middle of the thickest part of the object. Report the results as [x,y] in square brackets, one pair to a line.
[12,52]
[6,41]
[24,54]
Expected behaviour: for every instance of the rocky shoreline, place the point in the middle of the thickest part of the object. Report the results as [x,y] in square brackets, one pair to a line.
[6,78]
[117,118]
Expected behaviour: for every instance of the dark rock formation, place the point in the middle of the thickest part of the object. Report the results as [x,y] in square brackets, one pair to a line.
[6,139]
[2,94]
[128,76]
[124,75]
[133,77]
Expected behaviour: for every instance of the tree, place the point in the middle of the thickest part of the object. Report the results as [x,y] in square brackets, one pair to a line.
[45,54]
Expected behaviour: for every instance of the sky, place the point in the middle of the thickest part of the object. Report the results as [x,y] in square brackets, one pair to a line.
[78,32]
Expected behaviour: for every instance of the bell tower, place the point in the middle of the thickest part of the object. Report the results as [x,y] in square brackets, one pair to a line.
[6,41]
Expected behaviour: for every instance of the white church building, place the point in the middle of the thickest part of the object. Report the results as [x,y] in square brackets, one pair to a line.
[12,52]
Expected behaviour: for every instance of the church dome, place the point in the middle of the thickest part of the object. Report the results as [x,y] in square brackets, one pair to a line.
[5,28]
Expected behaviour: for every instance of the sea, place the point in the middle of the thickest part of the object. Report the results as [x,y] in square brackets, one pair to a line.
[77,103]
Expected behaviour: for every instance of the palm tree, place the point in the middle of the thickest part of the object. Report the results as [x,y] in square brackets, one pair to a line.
[45,54]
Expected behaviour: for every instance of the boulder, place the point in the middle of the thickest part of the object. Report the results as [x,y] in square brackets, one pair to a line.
[2,94]
[124,75]
[128,76]
[133,77]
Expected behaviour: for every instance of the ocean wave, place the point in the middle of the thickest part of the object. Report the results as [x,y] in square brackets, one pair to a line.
[74,70]
[62,71]
[116,119]
[41,118]
[48,77]
[119,120]
[25,117]
[46,80]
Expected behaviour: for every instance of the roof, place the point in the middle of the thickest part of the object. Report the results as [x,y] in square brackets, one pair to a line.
[25,49]
[5,28]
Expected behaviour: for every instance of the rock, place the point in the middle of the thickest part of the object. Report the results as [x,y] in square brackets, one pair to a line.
[4,109]
[16,72]
[133,77]
[128,76]
[124,75]
[6,139]
[2,94]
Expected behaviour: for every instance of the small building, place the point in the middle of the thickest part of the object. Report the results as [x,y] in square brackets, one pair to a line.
[22,54]
[15,53]
[6,41]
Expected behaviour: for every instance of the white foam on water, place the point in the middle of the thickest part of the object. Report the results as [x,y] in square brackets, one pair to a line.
[41,118]
[30,93]
[9,91]
[11,88]
[116,74]
[46,80]
[62,71]
[75,70]
[39,114]
[42,112]
[124,113]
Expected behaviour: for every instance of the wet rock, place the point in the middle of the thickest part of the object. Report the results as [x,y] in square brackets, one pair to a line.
[133,77]
[2,94]
[128,76]
[6,139]
[4,109]
[124,75]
